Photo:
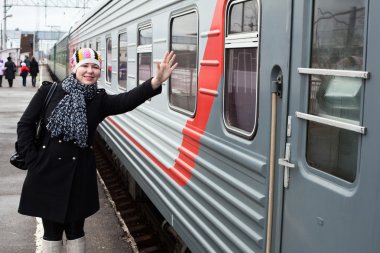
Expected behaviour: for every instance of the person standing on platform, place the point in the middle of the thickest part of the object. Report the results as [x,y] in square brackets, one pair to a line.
[24,73]
[1,72]
[34,70]
[10,70]
[27,61]
[61,181]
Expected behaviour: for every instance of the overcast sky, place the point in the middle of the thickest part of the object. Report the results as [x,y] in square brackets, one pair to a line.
[39,18]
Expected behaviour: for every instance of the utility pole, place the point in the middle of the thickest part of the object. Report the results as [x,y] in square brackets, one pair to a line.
[5,25]
[1,34]
[4,37]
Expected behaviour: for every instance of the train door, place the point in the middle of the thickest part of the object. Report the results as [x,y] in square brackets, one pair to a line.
[331,172]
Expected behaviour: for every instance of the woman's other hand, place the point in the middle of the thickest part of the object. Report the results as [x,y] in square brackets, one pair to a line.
[164,69]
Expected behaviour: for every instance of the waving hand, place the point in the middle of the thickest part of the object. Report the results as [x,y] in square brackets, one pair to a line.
[164,69]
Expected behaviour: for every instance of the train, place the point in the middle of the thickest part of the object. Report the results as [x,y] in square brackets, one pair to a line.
[264,138]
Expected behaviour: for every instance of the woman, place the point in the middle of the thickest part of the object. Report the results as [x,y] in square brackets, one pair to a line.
[61,184]
[10,70]
[34,70]
[24,73]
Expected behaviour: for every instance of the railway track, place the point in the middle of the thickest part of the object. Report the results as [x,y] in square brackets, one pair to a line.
[148,229]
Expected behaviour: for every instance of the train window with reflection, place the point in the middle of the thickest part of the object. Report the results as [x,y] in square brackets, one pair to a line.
[122,61]
[338,43]
[183,81]
[109,60]
[241,64]
[144,53]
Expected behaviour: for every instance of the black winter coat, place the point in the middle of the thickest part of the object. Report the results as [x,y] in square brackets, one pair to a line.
[34,68]
[10,70]
[61,182]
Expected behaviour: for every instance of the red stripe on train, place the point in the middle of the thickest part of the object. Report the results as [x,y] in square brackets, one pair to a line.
[209,77]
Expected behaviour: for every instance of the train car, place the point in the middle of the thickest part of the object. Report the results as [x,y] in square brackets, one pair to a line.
[50,59]
[263,140]
[58,58]
[61,58]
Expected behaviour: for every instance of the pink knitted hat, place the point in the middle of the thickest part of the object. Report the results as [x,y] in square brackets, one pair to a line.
[85,55]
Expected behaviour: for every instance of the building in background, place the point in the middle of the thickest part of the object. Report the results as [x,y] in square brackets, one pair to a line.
[28,43]
[13,38]
[14,53]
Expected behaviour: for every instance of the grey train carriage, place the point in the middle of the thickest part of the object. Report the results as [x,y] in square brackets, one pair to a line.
[264,139]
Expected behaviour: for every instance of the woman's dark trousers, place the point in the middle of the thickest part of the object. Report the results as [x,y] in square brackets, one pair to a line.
[53,231]
[34,81]
[24,81]
[10,82]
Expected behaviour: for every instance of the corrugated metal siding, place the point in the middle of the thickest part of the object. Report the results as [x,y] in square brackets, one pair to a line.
[222,207]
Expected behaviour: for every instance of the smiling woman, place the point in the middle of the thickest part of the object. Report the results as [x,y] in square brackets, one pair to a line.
[88,73]
[61,185]
[85,65]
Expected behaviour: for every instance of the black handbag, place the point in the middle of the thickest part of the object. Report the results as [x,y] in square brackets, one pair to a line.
[18,160]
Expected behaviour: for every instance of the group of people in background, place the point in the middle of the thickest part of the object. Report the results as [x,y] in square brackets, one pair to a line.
[9,69]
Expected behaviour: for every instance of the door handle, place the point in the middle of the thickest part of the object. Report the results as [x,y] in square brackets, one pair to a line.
[284,162]
[287,164]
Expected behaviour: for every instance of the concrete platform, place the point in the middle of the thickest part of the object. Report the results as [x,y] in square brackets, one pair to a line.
[20,233]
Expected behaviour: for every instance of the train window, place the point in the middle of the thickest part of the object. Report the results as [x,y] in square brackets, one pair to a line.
[338,43]
[97,46]
[243,17]
[145,35]
[144,53]
[183,82]
[241,64]
[122,76]
[109,60]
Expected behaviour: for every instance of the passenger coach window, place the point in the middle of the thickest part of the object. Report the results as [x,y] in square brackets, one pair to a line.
[122,76]
[240,89]
[184,42]
[109,60]
[144,53]
[338,41]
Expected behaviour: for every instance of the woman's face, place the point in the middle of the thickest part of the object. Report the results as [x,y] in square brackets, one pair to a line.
[88,73]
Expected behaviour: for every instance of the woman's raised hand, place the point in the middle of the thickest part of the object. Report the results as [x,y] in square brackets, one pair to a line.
[164,69]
